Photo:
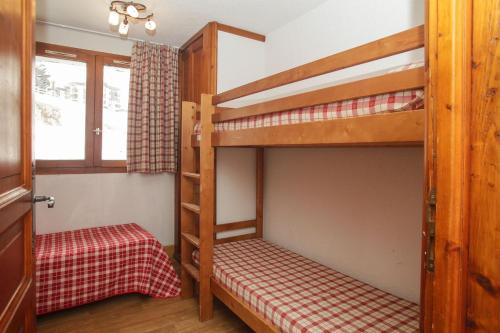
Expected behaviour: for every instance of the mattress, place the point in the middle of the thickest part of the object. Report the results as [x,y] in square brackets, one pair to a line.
[299,295]
[391,102]
[87,265]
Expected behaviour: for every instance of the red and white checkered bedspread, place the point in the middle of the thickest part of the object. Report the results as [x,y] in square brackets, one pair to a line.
[392,102]
[83,266]
[299,295]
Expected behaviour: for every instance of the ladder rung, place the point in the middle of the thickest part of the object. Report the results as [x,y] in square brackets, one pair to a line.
[193,271]
[192,207]
[192,175]
[191,239]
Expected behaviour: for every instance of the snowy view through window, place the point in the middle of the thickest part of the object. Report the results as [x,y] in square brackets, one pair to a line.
[60,108]
[60,88]
[114,113]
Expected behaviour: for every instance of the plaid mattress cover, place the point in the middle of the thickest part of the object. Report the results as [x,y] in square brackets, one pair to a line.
[392,102]
[299,295]
[83,266]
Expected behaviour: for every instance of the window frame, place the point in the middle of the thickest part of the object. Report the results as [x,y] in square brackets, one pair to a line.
[95,61]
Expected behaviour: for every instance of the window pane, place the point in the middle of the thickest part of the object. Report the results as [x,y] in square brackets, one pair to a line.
[60,99]
[114,112]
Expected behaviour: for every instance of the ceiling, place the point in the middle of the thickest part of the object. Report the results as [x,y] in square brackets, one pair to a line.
[178,20]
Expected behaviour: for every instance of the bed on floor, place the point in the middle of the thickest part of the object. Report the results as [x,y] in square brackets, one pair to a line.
[297,294]
[87,265]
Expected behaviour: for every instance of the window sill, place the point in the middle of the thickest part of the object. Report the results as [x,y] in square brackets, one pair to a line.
[79,170]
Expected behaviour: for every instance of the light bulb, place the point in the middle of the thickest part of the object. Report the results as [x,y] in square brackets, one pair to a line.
[114,18]
[150,25]
[123,29]
[132,11]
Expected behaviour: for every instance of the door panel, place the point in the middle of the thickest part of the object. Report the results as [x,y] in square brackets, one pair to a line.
[10,86]
[197,74]
[11,255]
[17,297]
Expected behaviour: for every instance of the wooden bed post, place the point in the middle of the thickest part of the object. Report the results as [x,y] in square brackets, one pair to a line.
[188,219]
[207,207]
[259,193]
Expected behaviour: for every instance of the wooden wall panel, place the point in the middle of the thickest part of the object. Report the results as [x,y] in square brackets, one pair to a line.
[483,313]
[198,75]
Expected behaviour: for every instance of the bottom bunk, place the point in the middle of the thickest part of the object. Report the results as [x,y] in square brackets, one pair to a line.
[278,287]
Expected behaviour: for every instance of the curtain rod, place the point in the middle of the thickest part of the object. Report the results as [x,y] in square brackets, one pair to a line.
[107,34]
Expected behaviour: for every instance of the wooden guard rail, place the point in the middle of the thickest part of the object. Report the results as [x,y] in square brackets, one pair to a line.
[397,81]
[235,226]
[398,43]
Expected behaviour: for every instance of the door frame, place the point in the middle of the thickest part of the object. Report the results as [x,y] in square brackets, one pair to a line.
[448,105]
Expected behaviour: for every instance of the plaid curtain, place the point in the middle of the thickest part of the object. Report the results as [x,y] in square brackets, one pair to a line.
[153,111]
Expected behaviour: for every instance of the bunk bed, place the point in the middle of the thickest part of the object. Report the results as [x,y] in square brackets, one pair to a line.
[265,285]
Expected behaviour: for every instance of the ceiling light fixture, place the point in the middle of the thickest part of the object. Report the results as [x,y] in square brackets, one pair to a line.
[123,29]
[131,12]
[114,18]
[150,25]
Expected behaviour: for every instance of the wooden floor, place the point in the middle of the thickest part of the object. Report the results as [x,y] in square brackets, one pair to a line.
[139,314]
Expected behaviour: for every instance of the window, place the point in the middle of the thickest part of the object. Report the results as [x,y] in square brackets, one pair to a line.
[80,110]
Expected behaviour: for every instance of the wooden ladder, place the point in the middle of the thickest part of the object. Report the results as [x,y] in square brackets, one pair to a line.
[197,207]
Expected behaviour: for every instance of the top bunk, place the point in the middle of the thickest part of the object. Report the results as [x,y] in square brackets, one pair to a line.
[383,110]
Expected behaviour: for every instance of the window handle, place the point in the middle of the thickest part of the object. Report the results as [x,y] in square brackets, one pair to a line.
[97,131]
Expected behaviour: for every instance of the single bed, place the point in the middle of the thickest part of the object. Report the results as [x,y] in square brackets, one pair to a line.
[297,294]
[87,265]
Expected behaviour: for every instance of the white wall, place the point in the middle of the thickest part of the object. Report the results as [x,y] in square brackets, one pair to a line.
[90,200]
[83,40]
[235,187]
[239,60]
[104,199]
[357,210]
[335,26]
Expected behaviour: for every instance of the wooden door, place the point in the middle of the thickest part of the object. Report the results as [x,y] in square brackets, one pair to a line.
[193,71]
[462,293]
[17,294]
[198,64]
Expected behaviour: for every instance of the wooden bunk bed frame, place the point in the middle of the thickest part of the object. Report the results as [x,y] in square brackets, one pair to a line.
[198,227]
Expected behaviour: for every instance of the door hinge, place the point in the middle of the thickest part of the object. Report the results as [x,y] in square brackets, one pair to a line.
[431,231]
